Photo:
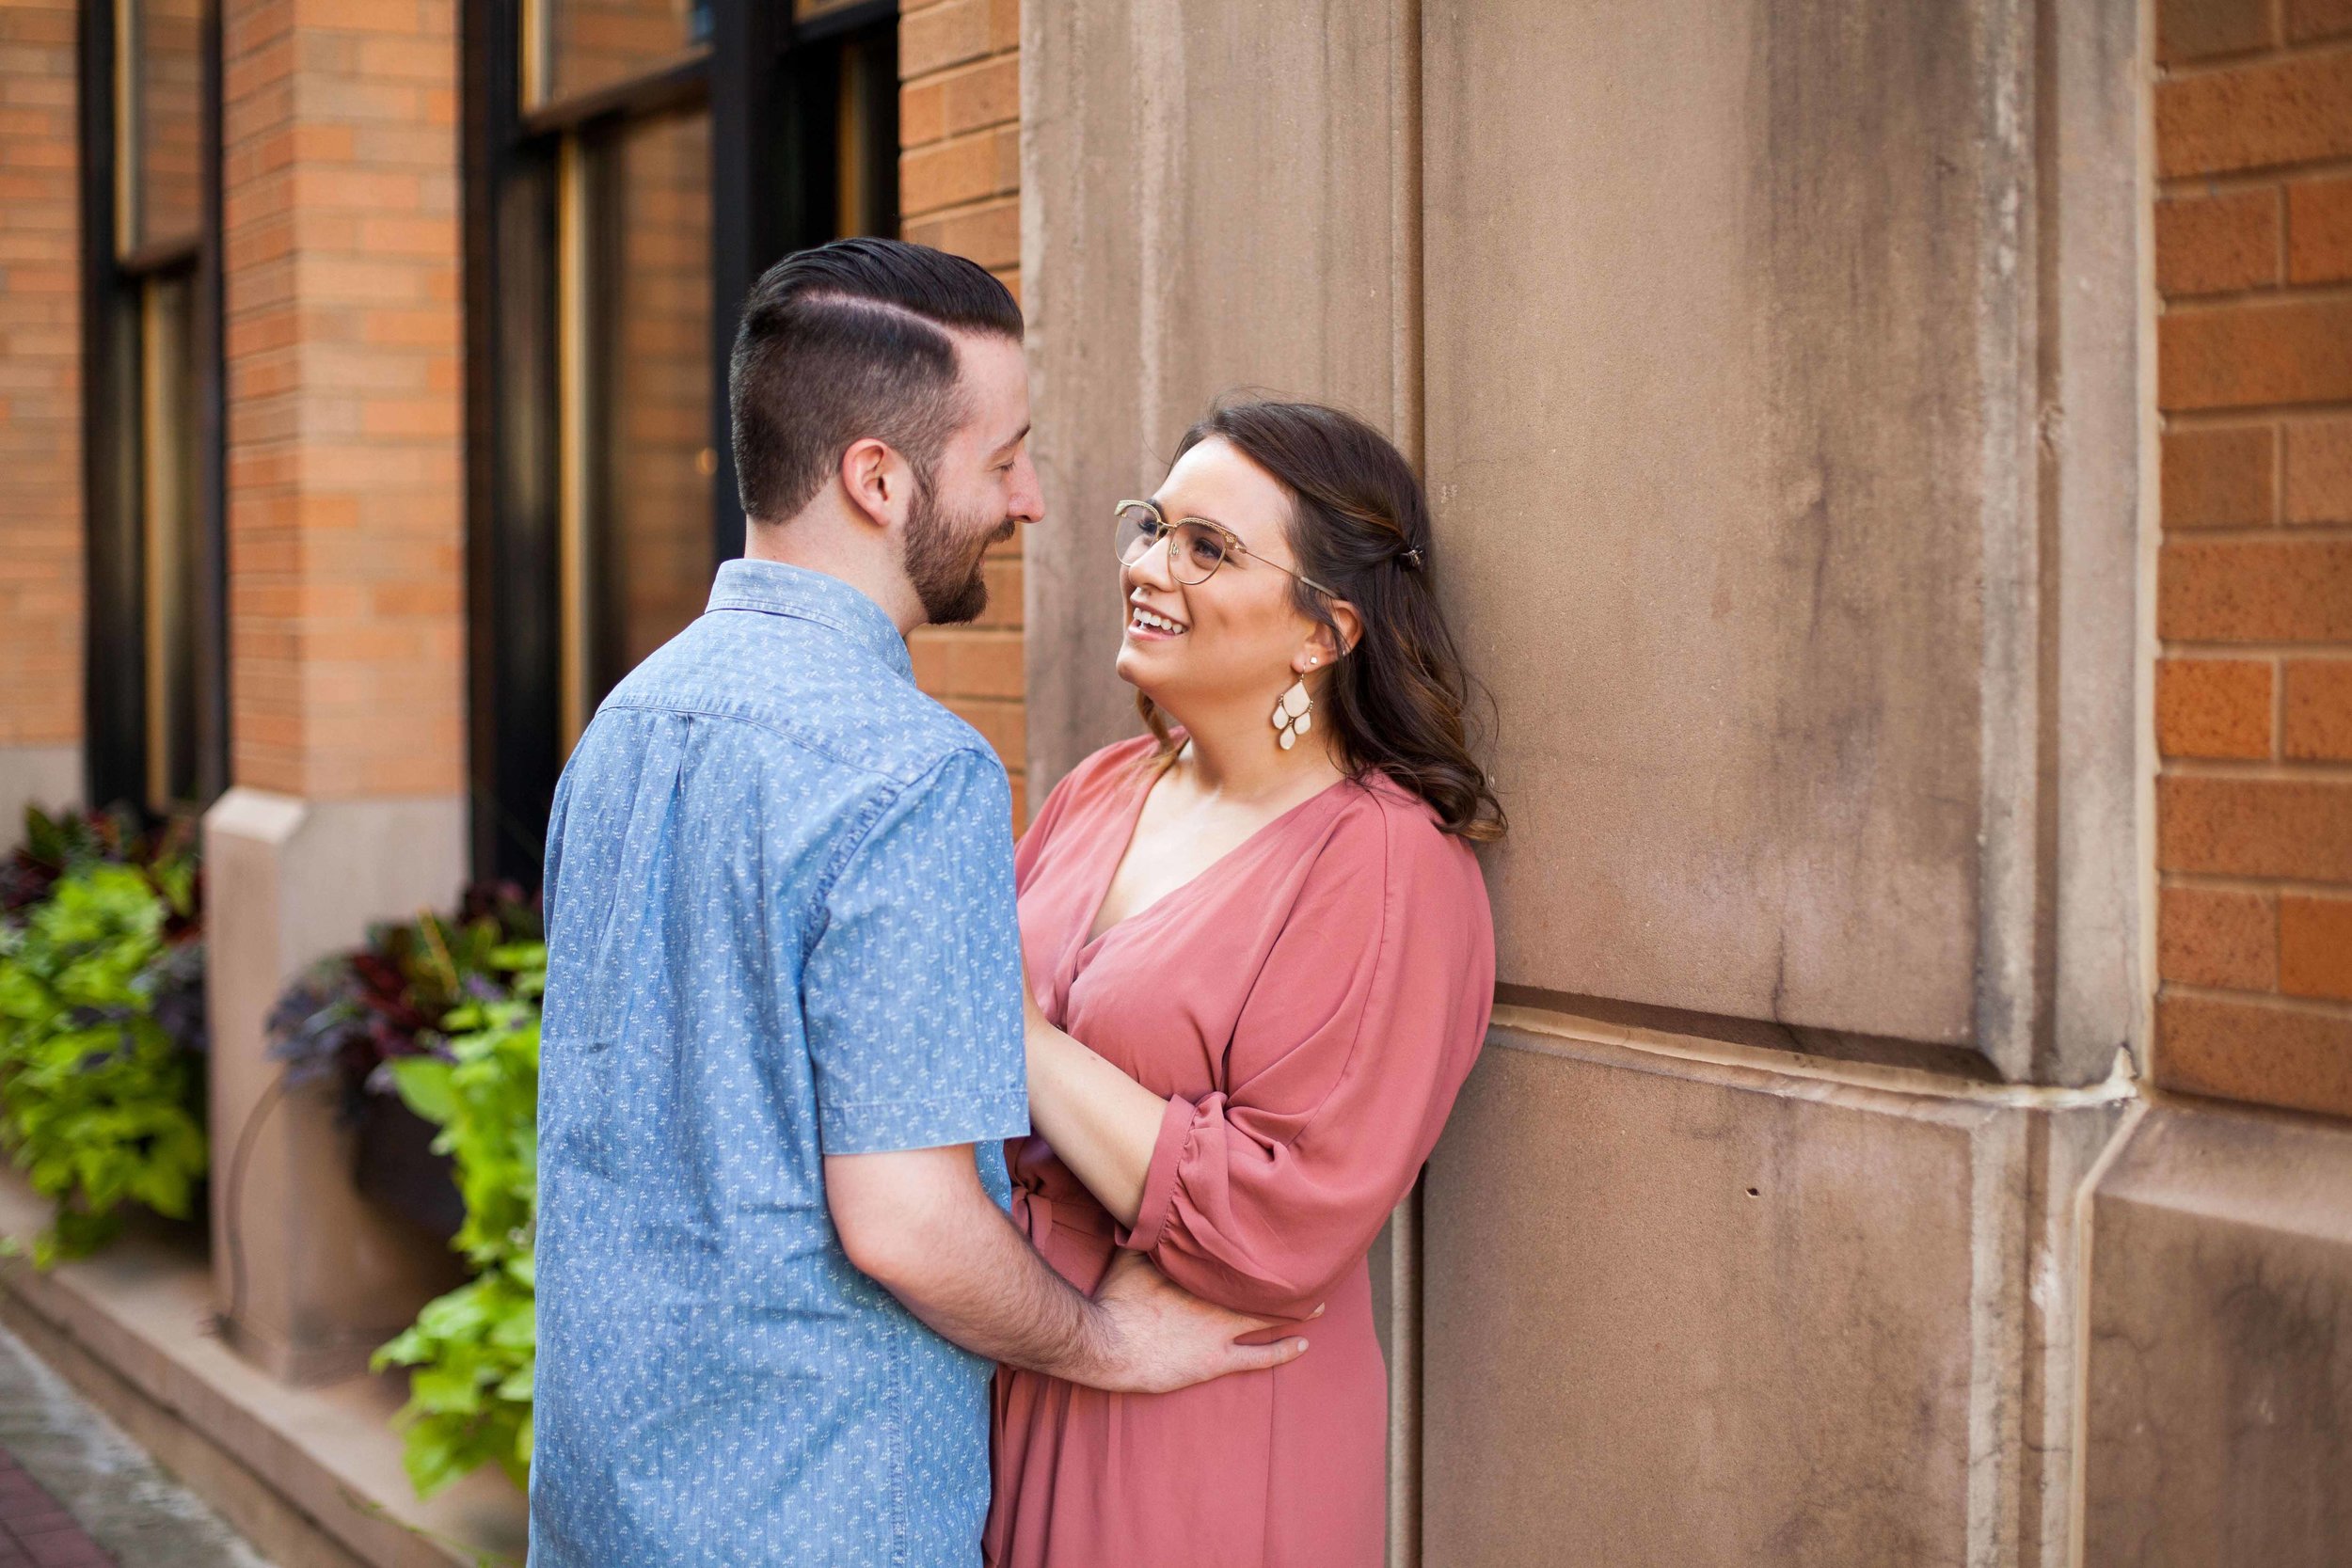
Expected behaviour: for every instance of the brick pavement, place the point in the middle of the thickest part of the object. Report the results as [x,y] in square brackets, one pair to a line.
[35,1532]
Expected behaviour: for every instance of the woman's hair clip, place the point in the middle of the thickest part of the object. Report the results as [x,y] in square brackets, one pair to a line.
[1412,557]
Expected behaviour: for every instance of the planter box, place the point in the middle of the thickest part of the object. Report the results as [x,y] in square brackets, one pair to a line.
[394,1167]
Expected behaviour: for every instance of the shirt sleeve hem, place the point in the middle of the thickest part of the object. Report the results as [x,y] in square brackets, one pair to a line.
[1159,1177]
[885,1127]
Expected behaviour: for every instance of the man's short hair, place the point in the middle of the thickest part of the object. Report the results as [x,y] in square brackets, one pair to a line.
[844,342]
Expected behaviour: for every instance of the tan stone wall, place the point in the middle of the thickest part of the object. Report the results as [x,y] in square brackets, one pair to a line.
[41,380]
[2253,114]
[960,189]
[343,344]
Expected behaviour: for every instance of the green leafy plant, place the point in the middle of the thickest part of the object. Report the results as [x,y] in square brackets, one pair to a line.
[102,1087]
[352,1013]
[471,1354]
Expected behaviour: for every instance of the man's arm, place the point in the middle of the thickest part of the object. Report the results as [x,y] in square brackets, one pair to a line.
[919,1224]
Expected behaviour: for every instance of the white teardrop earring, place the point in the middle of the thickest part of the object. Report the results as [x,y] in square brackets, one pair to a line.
[1292,718]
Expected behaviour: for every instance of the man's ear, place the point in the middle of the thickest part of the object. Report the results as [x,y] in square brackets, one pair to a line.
[876,480]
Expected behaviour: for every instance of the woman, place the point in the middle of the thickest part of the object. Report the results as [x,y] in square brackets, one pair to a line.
[1266,937]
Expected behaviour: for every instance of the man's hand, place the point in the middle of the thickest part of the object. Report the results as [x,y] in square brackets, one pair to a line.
[1159,1338]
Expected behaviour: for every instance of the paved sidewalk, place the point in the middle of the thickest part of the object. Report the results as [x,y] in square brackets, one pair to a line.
[35,1532]
[74,1493]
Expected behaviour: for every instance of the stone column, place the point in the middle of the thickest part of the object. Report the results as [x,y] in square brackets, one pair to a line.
[346,590]
[1784,423]
[1215,197]
[1774,372]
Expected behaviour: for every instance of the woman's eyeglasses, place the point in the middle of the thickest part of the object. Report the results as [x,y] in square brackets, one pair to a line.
[1196,546]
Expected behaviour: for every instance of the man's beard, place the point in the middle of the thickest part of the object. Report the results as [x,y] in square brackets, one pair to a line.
[946,560]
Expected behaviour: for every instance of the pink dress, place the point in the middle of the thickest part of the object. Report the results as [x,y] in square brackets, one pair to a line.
[1309,1006]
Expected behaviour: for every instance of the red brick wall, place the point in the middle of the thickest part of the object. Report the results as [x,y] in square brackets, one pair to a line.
[40,379]
[340,186]
[2253,109]
[960,189]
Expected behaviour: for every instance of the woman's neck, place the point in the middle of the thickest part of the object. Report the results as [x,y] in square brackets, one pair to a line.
[1234,751]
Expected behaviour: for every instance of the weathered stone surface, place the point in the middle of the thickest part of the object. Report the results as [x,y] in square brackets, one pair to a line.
[312,1277]
[1209,204]
[49,777]
[1738,500]
[1780,377]
[2219,1392]
[1691,1310]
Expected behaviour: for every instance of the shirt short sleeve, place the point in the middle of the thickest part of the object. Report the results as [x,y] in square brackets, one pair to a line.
[911,995]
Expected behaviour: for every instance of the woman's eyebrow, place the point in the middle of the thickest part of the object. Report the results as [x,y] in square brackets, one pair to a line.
[1171,513]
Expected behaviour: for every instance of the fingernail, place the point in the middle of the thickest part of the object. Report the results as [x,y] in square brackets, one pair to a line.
[1302,1346]
[1318,1311]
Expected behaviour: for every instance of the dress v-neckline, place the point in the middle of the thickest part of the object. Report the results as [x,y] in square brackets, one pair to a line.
[1126,841]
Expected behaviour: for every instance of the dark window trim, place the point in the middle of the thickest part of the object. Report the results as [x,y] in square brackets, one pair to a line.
[745,76]
[512,593]
[212,400]
[114,699]
[114,643]
[683,82]
[163,257]
[763,102]
[848,19]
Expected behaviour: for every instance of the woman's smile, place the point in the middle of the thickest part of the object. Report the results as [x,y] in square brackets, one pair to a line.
[1146,626]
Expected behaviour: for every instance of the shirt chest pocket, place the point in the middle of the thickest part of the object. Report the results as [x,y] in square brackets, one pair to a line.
[591,1119]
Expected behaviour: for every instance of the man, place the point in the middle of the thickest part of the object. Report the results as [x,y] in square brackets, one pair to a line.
[783,1035]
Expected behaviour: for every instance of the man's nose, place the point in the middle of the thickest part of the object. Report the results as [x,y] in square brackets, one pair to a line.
[1028,497]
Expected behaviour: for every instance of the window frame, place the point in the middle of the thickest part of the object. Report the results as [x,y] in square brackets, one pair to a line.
[119,745]
[759,73]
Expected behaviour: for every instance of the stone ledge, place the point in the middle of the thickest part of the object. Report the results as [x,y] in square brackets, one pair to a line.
[313,1476]
[1764,1307]
[2218,1402]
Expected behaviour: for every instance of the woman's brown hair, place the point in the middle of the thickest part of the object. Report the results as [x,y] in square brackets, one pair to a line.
[1359,523]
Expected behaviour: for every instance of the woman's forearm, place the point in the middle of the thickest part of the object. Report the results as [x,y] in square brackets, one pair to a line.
[1101,1123]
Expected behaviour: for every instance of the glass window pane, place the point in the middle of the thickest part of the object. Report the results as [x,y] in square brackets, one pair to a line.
[594,43]
[164,111]
[656,391]
[865,136]
[179,770]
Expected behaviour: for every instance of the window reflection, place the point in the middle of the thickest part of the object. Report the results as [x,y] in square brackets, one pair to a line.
[182,762]
[615,262]
[866,138]
[161,119]
[588,44]
[656,388]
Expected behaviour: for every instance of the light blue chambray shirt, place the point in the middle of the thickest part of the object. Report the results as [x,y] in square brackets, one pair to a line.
[780,926]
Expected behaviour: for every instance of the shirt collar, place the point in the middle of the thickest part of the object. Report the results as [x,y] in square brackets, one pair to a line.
[773,588]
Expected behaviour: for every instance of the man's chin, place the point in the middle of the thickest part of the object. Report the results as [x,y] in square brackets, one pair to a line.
[969,604]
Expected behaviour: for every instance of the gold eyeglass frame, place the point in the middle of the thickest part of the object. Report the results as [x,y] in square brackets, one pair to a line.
[1232,544]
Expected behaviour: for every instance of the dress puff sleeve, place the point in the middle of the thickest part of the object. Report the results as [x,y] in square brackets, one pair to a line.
[1345,1060]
